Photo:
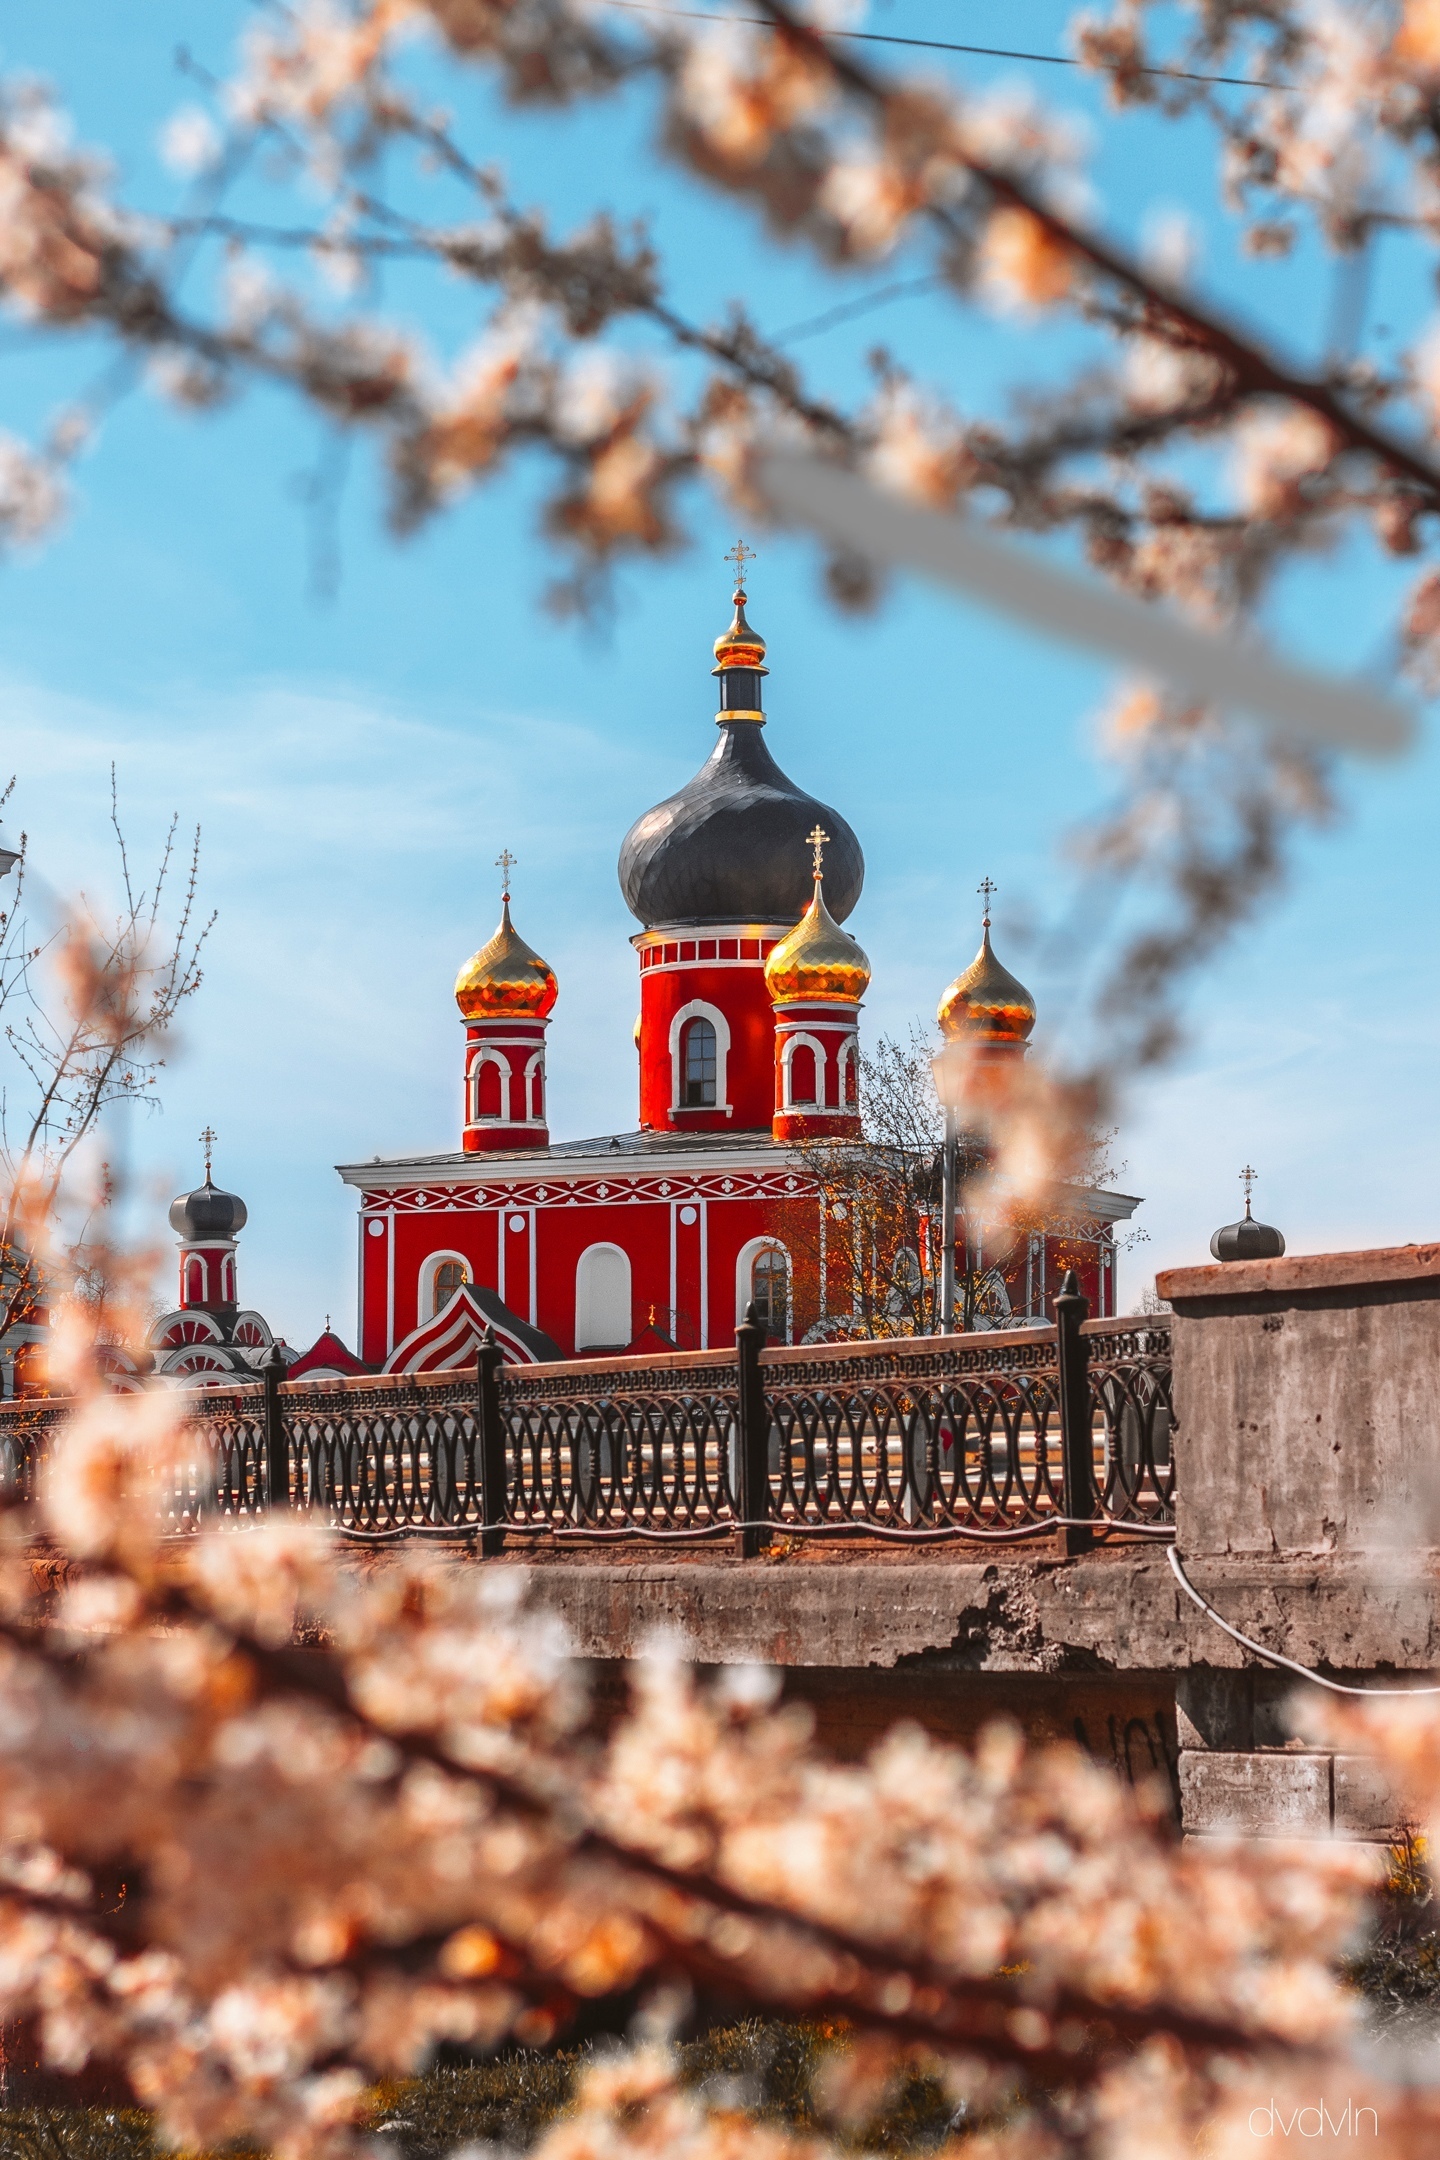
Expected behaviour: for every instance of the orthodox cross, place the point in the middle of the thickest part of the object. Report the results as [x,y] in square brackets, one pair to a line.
[740,555]
[1247,1179]
[505,862]
[817,840]
[208,1140]
[986,888]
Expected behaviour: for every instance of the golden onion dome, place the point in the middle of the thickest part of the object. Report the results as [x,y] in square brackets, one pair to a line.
[505,979]
[740,646]
[817,960]
[986,1004]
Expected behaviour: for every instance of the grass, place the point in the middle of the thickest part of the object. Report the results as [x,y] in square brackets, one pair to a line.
[763,2068]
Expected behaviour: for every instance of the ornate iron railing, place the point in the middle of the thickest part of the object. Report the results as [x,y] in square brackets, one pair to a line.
[990,1437]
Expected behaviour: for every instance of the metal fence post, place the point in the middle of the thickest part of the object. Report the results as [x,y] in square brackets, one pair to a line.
[1077,1454]
[753,1435]
[277,1446]
[493,1496]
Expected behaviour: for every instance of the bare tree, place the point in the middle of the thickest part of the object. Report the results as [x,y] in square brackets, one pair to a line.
[88,1000]
[866,1249]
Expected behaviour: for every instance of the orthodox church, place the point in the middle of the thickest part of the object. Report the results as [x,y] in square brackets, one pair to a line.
[748,1041]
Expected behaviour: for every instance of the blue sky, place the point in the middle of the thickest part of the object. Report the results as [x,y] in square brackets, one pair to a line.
[356,764]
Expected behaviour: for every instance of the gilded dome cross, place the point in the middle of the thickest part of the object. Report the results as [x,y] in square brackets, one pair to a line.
[740,555]
[505,862]
[986,889]
[816,841]
[207,1141]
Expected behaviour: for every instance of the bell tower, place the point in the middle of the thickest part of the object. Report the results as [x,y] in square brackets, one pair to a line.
[506,994]
[207,1223]
[816,977]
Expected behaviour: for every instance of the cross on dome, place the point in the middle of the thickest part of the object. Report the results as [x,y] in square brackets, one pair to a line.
[987,888]
[208,1139]
[740,555]
[815,840]
[1247,1179]
[505,862]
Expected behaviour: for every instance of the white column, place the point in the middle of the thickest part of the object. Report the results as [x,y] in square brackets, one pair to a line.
[389,1280]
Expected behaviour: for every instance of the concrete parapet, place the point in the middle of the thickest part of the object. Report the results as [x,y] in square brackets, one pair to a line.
[1306,1395]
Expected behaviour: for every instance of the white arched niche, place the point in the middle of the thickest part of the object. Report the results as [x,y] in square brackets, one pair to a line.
[602,1299]
[429,1303]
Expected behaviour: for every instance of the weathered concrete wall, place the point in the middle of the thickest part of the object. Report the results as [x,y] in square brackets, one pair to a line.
[1126,1720]
[1119,1611]
[1308,1455]
[1308,1398]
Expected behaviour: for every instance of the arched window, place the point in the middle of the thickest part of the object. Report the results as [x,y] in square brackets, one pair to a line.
[802,1075]
[441,1275]
[770,1288]
[602,1299]
[849,1063]
[195,1281]
[536,1078]
[700,1063]
[227,1278]
[489,1078]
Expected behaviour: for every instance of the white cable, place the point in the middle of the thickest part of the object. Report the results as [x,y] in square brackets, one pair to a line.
[1299,703]
[1273,1657]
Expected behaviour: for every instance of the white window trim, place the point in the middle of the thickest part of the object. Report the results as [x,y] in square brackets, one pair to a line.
[849,1057]
[745,1272]
[429,1268]
[536,1063]
[604,1245]
[697,1009]
[787,1097]
[486,1056]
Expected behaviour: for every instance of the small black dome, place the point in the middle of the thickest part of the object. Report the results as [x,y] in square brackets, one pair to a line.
[730,847]
[1247,1240]
[207,1213]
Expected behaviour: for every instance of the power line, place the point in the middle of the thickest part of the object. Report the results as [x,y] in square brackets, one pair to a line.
[987,52]
[849,308]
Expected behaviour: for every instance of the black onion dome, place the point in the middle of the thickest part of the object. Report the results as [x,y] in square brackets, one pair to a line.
[207,1213]
[731,846]
[1247,1240]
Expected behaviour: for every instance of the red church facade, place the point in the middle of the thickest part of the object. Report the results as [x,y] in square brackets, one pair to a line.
[750,994]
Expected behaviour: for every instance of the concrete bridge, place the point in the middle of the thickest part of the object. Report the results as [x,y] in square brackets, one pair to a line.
[1306,1450]
[948,1529]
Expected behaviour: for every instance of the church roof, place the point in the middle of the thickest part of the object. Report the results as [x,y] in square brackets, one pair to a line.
[207,1213]
[730,846]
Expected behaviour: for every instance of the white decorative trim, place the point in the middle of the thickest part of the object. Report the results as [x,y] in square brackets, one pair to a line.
[536,1064]
[699,1009]
[791,1044]
[430,1267]
[849,1056]
[546,1194]
[486,1055]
